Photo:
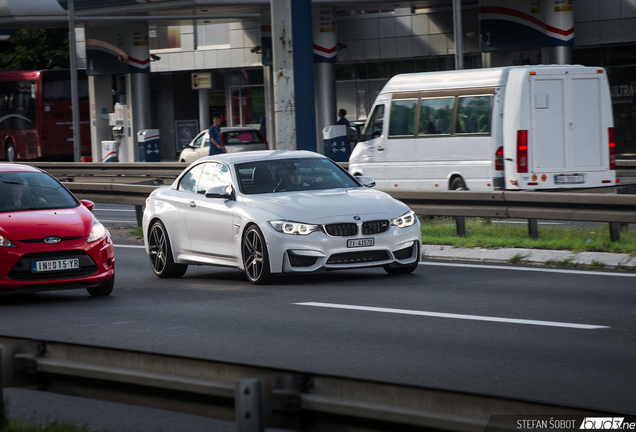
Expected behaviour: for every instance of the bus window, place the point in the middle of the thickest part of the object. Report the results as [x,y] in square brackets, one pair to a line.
[473,115]
[60,90]
[436,116]
[17,106]
[402,121]
[374,127]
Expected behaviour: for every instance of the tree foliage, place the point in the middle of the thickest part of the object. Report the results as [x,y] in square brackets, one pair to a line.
[36,49]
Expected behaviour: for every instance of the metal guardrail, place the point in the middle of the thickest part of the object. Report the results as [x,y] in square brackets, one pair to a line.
[121,171]
[523,205]
[111,183]
[626,168]
[252,396]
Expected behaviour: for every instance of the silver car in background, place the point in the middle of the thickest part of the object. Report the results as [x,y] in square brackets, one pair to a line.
[234,139]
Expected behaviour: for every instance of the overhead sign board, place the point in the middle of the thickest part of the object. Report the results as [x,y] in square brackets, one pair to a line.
[201,80]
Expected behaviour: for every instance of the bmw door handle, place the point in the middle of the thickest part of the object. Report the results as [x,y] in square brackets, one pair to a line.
[193,204]
[380,148]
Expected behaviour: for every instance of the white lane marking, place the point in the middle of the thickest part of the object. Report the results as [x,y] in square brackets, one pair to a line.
[131,246]
[537,269]
[455,316]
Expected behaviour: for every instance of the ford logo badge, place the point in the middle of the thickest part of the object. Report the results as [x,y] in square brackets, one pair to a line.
[356,217]
[52,240]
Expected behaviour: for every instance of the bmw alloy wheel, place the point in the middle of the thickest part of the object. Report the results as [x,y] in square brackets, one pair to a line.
[161,254]
[255,258]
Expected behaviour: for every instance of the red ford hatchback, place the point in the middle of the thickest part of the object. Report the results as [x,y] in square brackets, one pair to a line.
[49,240]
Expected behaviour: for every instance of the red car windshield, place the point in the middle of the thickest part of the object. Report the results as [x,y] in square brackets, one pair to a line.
[20,191]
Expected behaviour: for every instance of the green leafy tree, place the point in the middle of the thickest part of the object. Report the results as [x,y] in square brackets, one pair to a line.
[36,49]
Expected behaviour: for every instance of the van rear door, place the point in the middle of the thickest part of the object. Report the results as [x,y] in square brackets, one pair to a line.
[566,123]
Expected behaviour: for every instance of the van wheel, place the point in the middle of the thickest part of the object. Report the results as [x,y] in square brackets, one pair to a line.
[458,184]
[10,151]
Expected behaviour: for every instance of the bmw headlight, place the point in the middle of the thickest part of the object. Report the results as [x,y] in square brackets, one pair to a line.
[406,220]
[98,231]
[287,227]
[5,242]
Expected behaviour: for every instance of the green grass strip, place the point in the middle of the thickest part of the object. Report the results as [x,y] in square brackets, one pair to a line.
[484,233]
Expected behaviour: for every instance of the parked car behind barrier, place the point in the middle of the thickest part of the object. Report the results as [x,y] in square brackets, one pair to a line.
[234,139]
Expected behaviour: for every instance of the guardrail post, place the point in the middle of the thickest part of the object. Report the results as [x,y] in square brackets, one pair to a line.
[248,405]
[460,223]
[533,228]
[615,231]
[139,212]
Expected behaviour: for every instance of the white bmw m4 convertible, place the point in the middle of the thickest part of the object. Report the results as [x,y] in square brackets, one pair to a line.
[275,212]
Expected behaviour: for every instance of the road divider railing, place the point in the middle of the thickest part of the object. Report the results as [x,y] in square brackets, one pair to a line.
[615,209]
[254,397]
[120,172]
[131,183]
[626,167]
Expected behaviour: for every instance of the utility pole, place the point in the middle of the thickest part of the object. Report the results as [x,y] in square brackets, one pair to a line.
[77,143]
[459,41]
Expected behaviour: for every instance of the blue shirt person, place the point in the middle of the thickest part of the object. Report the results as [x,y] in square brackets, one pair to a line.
[216,146]
[343,120]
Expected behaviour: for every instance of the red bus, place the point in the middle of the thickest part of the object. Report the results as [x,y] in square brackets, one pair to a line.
[36,118]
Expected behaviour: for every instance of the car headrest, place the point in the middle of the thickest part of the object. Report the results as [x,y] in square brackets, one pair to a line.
[261,175]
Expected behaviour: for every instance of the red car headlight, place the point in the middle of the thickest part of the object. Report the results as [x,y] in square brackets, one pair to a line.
[98,231]
[5,242]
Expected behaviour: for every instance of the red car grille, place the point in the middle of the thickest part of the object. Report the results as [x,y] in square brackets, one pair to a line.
[42,240]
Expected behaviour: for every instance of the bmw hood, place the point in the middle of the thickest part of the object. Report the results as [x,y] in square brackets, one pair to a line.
[328,206]
[38,224]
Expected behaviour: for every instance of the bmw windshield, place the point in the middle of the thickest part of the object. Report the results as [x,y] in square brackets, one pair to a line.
[285,175]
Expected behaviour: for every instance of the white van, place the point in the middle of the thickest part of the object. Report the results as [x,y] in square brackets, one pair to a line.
[512,128]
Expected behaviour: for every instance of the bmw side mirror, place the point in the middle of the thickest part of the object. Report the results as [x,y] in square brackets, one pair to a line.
[223,192]
[366,181]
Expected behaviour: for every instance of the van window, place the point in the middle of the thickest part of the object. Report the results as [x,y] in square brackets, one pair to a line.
[436,116]
[402,121]
[374,127]
[473,115]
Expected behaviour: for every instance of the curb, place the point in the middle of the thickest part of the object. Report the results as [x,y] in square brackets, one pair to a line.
[558,258]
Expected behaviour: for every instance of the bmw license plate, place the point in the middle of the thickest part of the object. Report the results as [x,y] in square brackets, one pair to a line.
[569,179]
[360,242]
[54,265]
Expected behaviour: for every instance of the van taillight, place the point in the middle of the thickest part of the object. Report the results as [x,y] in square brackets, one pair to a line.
[499,166]
[522,151]
[612,149]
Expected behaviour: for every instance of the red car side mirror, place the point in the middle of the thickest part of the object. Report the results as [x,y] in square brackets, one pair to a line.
[88,204]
